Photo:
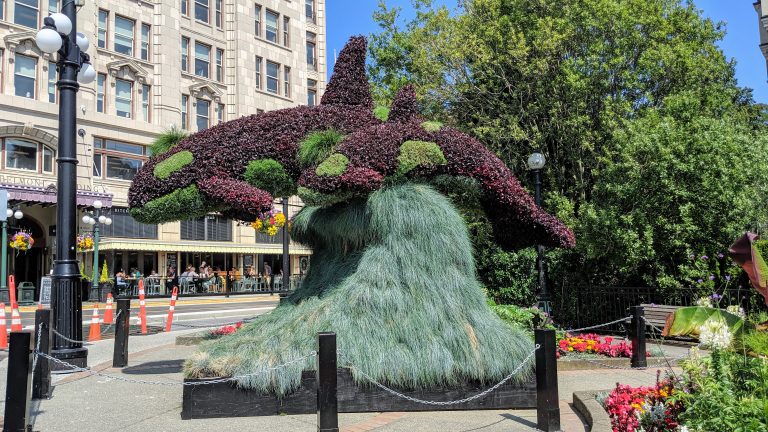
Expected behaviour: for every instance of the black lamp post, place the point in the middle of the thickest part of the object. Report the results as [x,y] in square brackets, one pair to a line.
[536,162]
[94,220]
[59,34]
[286,256]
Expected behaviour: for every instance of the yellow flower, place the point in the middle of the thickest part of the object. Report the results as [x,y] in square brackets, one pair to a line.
[272,230]
[257,224]
[279,219]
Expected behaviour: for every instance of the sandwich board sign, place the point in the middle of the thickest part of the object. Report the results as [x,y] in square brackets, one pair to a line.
[45,290]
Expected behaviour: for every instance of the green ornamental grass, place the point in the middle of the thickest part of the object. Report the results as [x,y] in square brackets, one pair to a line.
[399,289]
[317,146]
[166,141]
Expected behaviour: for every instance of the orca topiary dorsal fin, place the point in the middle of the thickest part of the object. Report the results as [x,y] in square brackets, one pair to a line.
[349,83]
[404,107]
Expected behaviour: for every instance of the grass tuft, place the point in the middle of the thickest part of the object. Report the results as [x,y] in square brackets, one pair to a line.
[397,286]
[317,146]
[167,140]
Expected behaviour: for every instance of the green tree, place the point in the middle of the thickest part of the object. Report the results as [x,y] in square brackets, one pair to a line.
[607,89]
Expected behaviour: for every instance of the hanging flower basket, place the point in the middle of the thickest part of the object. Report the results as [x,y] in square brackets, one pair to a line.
[84,242]
[22,241]
[269,223]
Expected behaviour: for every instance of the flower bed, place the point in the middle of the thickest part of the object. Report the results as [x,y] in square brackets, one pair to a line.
[225,330]
[590,343]
[650,409]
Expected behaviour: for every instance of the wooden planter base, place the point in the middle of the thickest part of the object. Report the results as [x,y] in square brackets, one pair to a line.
[226,400]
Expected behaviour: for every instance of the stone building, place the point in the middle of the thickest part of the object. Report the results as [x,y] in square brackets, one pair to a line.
[161,63]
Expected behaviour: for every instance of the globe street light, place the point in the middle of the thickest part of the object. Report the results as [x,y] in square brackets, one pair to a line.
[59,34]
[94,220]
[536,162]
[10,214]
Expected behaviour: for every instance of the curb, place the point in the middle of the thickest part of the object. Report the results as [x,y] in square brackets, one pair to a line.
[192,339]
[578,365]
[594,414]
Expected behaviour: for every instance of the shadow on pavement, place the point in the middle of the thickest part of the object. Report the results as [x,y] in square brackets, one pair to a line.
[155,367]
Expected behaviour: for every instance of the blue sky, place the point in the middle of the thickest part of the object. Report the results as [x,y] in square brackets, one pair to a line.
[351,17]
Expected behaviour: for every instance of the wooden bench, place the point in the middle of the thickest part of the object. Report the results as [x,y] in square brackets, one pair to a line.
[657,314]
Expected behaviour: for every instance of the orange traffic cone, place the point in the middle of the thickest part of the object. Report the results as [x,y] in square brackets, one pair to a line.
[15,318]
[142,308]
[169,321]
[94,334]
[108,318]
[3,328]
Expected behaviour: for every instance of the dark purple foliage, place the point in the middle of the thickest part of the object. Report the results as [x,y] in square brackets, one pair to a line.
[404,107]
[349,83]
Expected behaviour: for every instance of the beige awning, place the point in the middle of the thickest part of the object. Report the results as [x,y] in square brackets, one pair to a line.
[205,247]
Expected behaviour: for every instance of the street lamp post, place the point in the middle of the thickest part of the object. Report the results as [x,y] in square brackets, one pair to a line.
[94,220]
[286,265]
[9,213]
[59,34]
[536,162]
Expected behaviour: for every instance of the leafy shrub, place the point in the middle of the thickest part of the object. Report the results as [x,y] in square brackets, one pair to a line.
[186,201]
[432,126]
[164,169]
[756,342]
[269,175]
[419,153]
[381,113]
[333,166]
[166,141]
[317,146]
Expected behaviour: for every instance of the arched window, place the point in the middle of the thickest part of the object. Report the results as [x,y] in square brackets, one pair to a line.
[22,154]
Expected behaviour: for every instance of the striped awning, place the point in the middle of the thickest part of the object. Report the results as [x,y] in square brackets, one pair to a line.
[200,247]
[47,195]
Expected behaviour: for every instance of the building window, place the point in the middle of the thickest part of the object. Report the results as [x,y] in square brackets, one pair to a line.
[201,10]
[145,34]
[202,112]
[185,54]
[272,26]
[309,8]
[259,66]
[103,28]
[47,160]
[101,82]
[2,9]
[312,50]
[25,76]
[52,82]
[20,154]
[257,20]
[185,7]
[117,160]
[125,226]
[124,35]
[219,22]
[145,103]
[207,228]
[53,6]
[202,60]
[273,77]
[123,98]
[220,114]
[26,13]
[220,65]
[184,111]
[311,92]
[287,81]
[286,31]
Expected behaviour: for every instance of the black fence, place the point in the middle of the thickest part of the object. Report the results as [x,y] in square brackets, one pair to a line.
[592,305]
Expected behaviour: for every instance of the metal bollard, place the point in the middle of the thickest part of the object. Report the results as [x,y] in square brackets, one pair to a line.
[18,390]
[637,335]
[41,382]
[122,328]
[547,397]
[327,404]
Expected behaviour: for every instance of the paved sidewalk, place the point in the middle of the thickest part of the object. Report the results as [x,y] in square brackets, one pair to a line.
[88,403]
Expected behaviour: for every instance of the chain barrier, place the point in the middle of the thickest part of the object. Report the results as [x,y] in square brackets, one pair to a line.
[444,403]
[173,383]
[37,345]
[244,321]
[83,342]
[627,318]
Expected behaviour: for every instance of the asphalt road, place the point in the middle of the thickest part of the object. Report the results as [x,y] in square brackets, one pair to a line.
[195,311]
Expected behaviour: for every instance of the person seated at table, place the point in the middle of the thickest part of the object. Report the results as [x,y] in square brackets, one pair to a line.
[120,281]
[154,274]
[170,278]
[251,272]
[136,273]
